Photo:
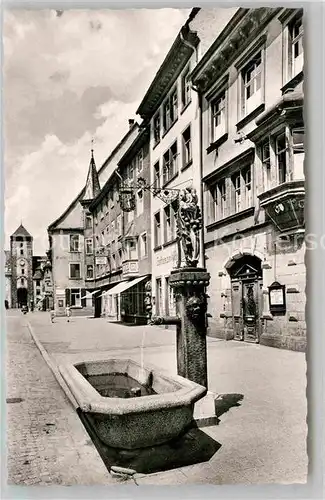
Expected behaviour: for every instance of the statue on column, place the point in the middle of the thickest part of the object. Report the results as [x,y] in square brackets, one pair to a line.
[189,225]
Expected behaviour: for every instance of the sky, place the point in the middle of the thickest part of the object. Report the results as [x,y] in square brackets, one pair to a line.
[70,76]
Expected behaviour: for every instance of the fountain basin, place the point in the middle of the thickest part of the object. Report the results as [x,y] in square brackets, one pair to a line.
[162,414]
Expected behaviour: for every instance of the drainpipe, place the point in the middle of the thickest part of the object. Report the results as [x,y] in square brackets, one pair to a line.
[202,250]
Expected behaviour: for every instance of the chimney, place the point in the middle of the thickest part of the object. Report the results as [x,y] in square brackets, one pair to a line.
[131,123]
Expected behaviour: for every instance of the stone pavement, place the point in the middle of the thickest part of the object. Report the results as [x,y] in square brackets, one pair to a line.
[46,442]
[263,438]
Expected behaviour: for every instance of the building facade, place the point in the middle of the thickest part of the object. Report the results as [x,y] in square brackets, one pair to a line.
[72,241]
[122,238]
[250,85]
[25,273]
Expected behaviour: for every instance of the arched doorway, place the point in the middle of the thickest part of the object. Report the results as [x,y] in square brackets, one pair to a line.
[246,297]
[22,296]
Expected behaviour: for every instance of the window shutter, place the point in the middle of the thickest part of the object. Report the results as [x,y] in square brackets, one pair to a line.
[67,297]
[83,300]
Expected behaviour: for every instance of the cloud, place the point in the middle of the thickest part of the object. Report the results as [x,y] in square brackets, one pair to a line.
[68,77]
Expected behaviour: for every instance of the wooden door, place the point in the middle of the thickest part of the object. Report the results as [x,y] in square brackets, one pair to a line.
[250,310]
[236,301]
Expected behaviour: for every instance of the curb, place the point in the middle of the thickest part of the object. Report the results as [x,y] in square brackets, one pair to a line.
[52,367]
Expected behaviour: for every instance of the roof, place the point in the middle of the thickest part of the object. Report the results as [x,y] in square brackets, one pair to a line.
[21,231]
[92,187]
[82,192]
[174,62]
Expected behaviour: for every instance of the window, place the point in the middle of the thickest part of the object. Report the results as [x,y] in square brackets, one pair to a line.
[187,147]
[266,161]
[133,252]
[38,291]
[140,161]
[170,163]
[74,243]
[88,222]
[156,175]
[186,87]
[170,110]
[237,194]
[120,257]
[21,245]
[296,50]
[170,223]
[157,230]
[252,84]
[21,251]
[218,117]
[89,246]
[22,270]
[74,271]
[156,128]
[247,182]
[298,152]
[220,195]
[38,283]
[90,271]
[113,261]
[113,231]
[143,245]
[22,282]
[281,157]
[75,297]
[139,202]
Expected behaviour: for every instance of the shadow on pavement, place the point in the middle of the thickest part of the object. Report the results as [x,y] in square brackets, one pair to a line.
[193,447]
[224,402]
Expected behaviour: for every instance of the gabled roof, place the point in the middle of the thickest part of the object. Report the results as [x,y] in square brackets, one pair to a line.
[21,231]
[82,192]
[92,187]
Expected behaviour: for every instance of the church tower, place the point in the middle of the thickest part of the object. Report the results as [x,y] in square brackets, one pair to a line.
[21,250]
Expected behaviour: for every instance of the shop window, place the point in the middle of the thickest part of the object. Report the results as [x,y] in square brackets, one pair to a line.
[75,297]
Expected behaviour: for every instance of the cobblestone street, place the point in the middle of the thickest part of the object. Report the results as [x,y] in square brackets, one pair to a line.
[263,440]
[46,442]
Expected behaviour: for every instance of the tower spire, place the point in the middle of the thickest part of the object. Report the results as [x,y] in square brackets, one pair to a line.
[92,184]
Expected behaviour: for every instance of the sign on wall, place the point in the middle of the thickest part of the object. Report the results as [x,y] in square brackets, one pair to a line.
[101,261]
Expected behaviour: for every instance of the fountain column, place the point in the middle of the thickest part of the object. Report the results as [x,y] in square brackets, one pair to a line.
[191,305]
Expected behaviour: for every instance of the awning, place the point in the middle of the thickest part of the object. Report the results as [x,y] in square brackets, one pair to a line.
[124,285]
[89,294]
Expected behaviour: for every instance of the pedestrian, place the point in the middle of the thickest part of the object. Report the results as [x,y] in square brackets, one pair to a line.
[31,306]
[52,316]
[6,304]
[68,313]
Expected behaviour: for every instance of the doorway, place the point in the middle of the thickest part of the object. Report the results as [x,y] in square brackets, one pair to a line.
[22,296]
[246,298]
[98,306]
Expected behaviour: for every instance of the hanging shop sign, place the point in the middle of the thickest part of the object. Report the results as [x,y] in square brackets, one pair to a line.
[277,299]
[101,261]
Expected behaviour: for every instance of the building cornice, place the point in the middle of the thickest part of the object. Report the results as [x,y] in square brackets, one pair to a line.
[177,57]
[242,29]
